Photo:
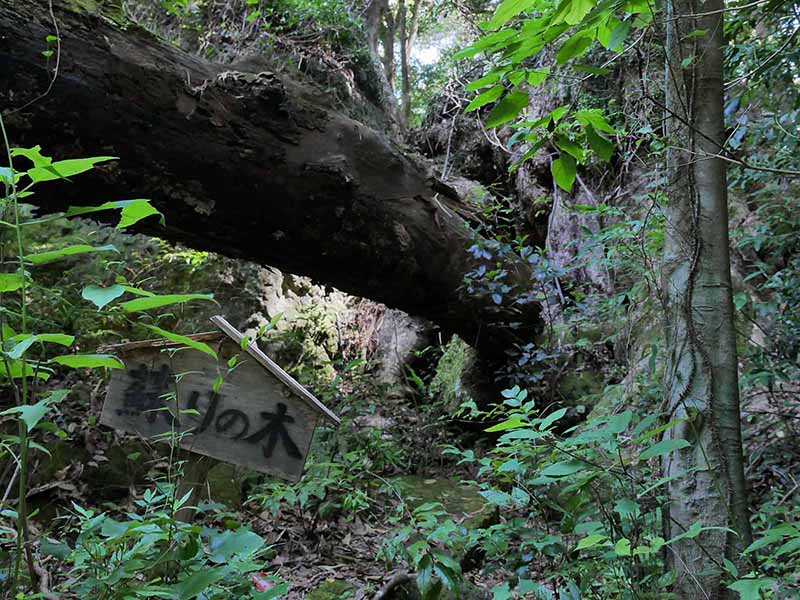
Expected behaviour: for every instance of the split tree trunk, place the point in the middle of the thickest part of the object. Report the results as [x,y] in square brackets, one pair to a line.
[701,382]
[244,162]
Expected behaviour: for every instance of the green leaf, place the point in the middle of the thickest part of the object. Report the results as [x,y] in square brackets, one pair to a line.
[750,589]
[26,341]
[552,418]
[45,257]
[199,581]
[502,592]
[739,300]
[603,148]
[64,169]
[564,172]
[507,109]
[663,447]
[132,211]
[512,423]
[490,95]
[507,10]
[623,547]
[89,361]
[497,497]
[538,76]
[567,145]
[574,46]
[10,282]
[34,155]
[564,468]
[590,541]
[578,9]
[491,77]
[101,296]
[150,302]
[31,414]
[239,544]
[595,118]
[182,339]
[619,35]
[627,508]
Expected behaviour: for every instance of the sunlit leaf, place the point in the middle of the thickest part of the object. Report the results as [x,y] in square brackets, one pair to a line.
[45,257]
[101,296]
[507,109]
[150,302]
[89,361]
[564,172]
[182,339]
[664,447]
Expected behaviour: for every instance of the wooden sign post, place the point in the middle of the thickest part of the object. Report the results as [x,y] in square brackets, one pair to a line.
[240,408]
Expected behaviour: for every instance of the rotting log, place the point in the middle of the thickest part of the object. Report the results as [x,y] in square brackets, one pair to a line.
[243,161]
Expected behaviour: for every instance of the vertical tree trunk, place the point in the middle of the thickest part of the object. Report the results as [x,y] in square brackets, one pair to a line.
[408,34]
[389,30]
[405,76]
[701,380]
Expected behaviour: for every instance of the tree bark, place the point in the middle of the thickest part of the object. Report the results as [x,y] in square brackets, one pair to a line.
[244,162]
[701,380]
[408,34]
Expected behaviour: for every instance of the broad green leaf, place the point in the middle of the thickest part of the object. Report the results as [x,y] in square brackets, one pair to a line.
[489,78]
[45,257]
[490,95]
[238,544]
[512,423]
[502,592]
[132,211]
[88,361]
[150,302]
[603,148]
[620,422]
[507,109]
[198,581]
[750,589]
[182,339]
[19,368]
[564,468]
[29,340]
[627,508]
[619,35]
[101,296]
[574,46]
[31,414]
[664,447]
[623,547]
[578,9]
[64,169]
[552,418]
[497,497]
[34,155]
[10,282]
[595,118]
[590,541]
[538,76]
[507,10]
[567,145]
[564,172]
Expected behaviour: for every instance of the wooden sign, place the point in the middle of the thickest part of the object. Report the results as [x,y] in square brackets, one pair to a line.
[247,411]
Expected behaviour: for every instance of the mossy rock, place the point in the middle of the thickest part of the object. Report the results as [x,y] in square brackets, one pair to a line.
[461,500]
[451,382]
[332,589]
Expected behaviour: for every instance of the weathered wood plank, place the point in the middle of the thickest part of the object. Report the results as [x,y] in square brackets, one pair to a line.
[252,420]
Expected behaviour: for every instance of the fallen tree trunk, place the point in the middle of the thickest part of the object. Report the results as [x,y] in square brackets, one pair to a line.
[245,162]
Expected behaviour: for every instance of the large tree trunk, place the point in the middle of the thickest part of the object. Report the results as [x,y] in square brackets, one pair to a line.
[244,162]
[701,380]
